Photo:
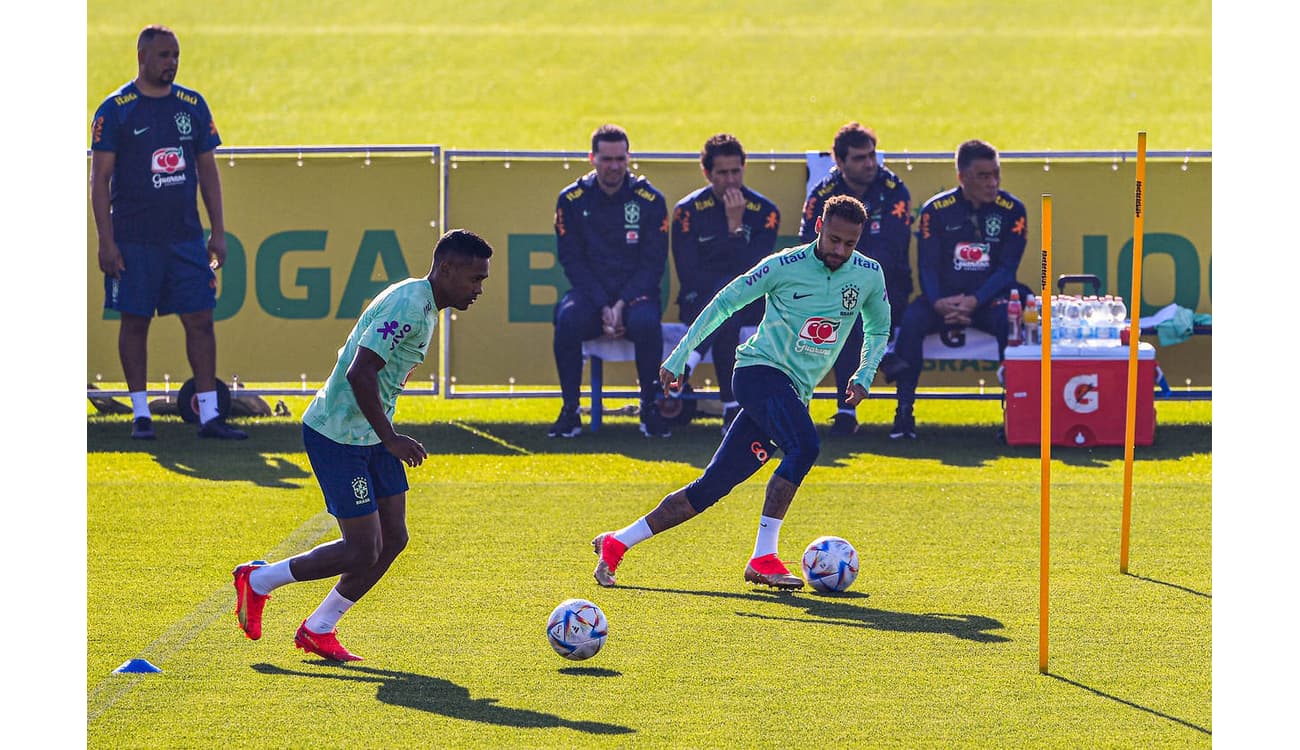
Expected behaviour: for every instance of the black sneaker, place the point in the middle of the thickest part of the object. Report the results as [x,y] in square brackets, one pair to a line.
[843,424]
[904,427]
[653,424]
[142,428]
[568,425]
[729,416]
[217,428]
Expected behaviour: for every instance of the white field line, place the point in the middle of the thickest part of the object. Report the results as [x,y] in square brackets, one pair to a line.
[219,604]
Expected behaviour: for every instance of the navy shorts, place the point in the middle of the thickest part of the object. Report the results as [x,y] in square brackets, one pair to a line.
[771,416]
[353,476]
[164,278]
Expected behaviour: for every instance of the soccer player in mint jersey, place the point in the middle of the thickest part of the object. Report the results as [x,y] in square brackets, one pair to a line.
[357,453]
[814,293]
[153,148]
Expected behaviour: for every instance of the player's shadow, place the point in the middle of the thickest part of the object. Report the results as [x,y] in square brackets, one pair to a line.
[445,698]
[178,448]
[839,609]
[1131,704]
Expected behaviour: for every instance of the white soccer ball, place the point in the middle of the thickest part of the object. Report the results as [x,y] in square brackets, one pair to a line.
[577,629]
[830,564]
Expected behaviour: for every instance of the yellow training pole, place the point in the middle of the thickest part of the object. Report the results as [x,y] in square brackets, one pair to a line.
[1134,336]
[1045,431]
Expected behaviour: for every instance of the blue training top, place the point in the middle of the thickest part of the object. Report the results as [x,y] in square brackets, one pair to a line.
[155,181]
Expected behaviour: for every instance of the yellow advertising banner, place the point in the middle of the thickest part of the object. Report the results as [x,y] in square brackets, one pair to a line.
[506,336]
[310,241]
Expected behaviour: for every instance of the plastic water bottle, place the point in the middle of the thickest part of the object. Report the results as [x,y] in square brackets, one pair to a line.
[1071,320]
[1118,312]
[1015,330]
[1108,328]
[1033,329]
[1089,319]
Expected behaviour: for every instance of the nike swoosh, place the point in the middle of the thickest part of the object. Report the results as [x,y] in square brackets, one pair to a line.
[952,229]
[138,131]
[801,296]
[710,238]
[421,346]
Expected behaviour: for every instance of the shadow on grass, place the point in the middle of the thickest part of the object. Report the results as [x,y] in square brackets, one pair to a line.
[179,449]
[443,697]
[1170,585]
[977,445]
[590,672]
[838,609]
[1131,704]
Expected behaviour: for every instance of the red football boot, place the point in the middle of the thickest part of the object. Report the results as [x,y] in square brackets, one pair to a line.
[325,645]
[248,603]
[770,571]
[610,551]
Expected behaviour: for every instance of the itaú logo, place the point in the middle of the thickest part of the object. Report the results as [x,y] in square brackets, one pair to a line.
[1081,393]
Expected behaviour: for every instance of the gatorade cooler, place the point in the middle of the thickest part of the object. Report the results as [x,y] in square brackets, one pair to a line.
[1089,395]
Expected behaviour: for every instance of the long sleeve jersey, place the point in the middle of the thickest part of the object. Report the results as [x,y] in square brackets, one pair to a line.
[612,247]
[888,233]
[968,250]
[808,307]
[705,254]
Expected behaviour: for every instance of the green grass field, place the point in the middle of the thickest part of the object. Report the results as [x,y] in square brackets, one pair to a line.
[936,645]
[781,76]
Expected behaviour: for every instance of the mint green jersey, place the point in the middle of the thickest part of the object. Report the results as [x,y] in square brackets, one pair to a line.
[398,326]
[810,311]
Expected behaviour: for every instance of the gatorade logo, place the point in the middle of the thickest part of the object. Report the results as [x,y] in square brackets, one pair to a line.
[1081,394]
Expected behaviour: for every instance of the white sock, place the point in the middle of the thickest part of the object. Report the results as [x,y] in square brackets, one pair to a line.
[327,615]
[634,534]
[207,406]
[140,404]
[693,359]
[268,578]
[769,532]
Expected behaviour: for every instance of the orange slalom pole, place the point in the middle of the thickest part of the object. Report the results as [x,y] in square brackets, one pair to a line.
[1045,432]
[1135,331]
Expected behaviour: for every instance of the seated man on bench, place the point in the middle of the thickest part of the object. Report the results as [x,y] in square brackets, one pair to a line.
[611,231]
[969,243]
[719,232]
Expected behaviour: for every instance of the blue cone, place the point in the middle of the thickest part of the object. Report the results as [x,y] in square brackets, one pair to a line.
[135,666]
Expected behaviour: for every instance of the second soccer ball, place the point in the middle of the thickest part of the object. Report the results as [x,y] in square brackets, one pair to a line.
[830,564]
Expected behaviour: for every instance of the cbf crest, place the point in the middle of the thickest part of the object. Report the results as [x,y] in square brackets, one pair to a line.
[992,226]
[183,125]
[360,489]
[848,300]
[631,213]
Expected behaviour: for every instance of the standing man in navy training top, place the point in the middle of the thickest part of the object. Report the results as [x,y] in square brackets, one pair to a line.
[611,233]
[152,144]
[719,232]
[885,239]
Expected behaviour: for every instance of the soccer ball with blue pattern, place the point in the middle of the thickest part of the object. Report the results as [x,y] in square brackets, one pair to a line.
[577,629]
[830,564]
